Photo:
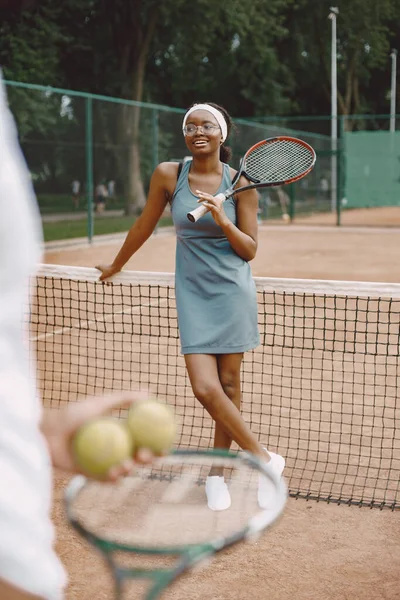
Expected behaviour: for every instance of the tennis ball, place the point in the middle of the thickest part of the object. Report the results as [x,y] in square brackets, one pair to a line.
[100,445]
[152,425]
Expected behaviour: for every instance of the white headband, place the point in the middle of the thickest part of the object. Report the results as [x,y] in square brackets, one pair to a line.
[215,112]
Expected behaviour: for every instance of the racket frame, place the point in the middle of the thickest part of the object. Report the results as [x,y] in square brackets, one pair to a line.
[198,212]
[188,556]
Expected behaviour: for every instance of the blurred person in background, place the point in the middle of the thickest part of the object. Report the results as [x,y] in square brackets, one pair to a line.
[324,187]
[75,187]
[100,197]
[111,190]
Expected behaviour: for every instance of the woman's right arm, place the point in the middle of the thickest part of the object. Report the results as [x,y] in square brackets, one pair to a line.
[159,193]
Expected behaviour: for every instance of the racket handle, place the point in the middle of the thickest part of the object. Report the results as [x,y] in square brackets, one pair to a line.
[194,215]
[200,211]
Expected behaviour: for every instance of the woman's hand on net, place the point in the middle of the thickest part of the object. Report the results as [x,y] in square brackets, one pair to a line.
[107,271]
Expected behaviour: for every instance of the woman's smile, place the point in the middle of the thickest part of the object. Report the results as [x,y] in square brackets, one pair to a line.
[200,143]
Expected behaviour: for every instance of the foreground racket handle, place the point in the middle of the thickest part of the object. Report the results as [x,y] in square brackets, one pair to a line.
[200,211]
[159,513]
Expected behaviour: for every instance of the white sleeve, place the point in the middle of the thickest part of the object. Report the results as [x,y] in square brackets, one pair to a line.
[27,557]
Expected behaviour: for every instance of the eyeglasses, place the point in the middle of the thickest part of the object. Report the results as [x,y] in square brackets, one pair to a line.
[191,129]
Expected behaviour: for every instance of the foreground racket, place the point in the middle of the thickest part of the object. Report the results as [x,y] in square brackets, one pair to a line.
[155,524]
[275,161]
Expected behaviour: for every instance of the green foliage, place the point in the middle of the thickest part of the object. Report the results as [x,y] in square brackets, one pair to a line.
[52,134]
[365,29]
[256,57]
[30,44]
[224,52]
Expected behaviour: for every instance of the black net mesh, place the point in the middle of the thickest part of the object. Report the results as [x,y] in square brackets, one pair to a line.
[321,389]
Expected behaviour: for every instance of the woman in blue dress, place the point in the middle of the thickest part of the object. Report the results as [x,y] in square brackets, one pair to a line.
[215,291]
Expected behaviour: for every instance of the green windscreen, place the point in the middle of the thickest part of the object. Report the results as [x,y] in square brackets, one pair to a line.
[372,172]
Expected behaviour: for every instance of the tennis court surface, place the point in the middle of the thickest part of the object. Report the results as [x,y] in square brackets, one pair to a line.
[321,389]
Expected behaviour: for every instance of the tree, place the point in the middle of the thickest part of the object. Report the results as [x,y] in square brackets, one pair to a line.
[256,57]
[171,52]
[221,52]
[111,45]
[364,33]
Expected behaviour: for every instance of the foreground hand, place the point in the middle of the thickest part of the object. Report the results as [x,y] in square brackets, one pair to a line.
[216,207]
[59,427]
[107,271]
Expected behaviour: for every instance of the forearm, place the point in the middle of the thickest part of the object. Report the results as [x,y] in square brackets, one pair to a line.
[135,238]
[242,243]
[242,238]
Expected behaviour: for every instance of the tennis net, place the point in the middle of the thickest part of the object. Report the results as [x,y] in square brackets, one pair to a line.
[321,388]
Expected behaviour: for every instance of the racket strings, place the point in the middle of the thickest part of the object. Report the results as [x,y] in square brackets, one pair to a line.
[280,160]
[166,507]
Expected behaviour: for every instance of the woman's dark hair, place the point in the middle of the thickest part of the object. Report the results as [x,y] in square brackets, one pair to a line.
[225,153]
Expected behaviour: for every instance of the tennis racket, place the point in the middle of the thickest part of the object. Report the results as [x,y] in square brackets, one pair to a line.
[275,161]
[154,525]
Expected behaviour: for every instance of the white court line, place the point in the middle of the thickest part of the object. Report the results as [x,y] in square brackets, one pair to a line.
[343,229]
[98,240]
[177,490]
[86,324]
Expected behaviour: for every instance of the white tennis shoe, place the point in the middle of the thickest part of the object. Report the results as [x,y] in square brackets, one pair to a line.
[218,496]
[266,489]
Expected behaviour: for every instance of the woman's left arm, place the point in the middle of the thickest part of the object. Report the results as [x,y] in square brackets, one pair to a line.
[243,236]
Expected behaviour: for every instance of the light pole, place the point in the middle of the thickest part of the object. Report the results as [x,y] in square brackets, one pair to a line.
[334,11]
[393,56]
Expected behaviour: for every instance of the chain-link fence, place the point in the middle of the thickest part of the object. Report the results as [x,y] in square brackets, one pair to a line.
[367,167]
[91,159]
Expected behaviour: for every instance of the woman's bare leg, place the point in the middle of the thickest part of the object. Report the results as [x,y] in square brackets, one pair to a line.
[229,375]
[203,371]
[216,384]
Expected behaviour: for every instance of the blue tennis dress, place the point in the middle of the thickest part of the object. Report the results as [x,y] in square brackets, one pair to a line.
[215,292]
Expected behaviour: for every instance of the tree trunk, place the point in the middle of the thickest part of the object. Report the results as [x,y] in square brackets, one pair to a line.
[346,102]
[136,197]
[135,193]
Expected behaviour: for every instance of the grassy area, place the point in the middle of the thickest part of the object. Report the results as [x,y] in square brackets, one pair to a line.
[62,230]
[50,204]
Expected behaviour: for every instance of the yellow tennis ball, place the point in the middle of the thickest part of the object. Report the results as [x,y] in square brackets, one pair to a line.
[152,425]
[100,445]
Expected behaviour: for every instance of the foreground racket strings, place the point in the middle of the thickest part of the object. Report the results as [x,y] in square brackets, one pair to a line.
[159,514]
[269,163]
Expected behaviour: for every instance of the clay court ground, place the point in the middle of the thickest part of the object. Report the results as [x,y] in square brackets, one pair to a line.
[318,550]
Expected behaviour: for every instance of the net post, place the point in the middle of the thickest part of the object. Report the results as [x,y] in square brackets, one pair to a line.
[89,166]
[334,11]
